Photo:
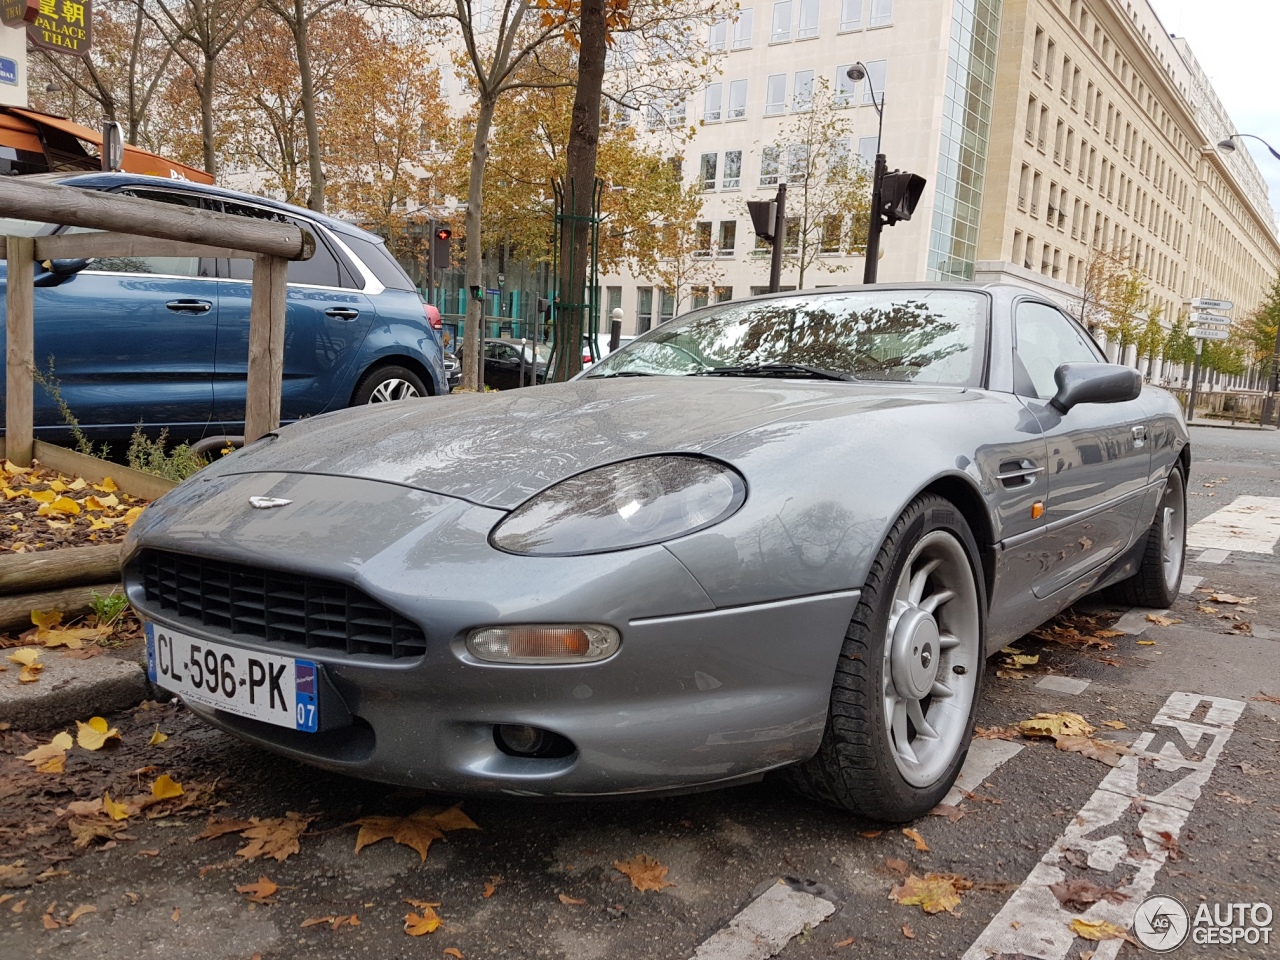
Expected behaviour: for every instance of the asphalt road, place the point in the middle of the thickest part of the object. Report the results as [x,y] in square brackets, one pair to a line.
[1196,818]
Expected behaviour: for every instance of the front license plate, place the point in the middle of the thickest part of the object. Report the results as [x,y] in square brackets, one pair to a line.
[278,690]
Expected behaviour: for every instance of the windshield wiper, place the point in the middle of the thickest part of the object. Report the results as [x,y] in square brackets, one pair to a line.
[620,373]
[774,370]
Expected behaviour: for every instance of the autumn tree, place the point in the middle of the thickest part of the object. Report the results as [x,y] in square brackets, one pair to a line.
[1103,269]
[1179,346]
[685,255]
[1260,330]
[828,187]
[1150,338]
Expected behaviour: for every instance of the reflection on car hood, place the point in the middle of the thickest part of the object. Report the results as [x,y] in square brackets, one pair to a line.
[497,449]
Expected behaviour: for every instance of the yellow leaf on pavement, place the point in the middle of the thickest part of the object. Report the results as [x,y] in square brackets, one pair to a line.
[101,523]
[416,831]
[28,657]
[44,496]
[569,901]
[260,892]
[914,835]
[1115,724]
[72,638]
[1097,930]
[114,809]
[165,788]
[95,734]
[1104,750]
[933,893]
[417,924]
[46,619]
[275,837]
[453,952]
[1161,621]
[79,483]
[50,757]
[1055,725]
[106,486]
[157,737]
[79,912]
[62,506]
[644,872]
[133,514]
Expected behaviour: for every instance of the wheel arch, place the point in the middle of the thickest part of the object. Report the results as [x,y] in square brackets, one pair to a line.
[961,492]
[393,360]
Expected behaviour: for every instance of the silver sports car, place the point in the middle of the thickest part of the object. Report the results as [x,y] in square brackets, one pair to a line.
[781,533]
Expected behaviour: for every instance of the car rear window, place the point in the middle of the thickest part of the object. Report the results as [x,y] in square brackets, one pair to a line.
[380,262]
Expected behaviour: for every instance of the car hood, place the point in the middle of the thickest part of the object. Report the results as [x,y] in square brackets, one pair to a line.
[498,449]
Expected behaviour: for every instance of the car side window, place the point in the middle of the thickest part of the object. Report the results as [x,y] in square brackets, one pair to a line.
[165,266]
[322,270]
[1046,339]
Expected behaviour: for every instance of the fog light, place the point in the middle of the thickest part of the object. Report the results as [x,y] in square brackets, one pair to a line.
[522,740]
[553,643]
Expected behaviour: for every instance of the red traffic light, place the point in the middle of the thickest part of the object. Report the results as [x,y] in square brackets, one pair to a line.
[444,234]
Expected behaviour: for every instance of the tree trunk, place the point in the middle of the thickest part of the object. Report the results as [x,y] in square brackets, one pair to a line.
[315,165]
[206,119]
[471,352]
[579,187]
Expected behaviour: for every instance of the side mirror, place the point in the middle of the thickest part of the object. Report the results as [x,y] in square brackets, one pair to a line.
[1094,383]
[50,273]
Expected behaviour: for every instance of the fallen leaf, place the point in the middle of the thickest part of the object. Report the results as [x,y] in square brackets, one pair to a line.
[46,619]
[571,901]
[1055,725]
[220,826]
[86,831]
[157,737]
[1115,724]
[911,833]
[1206,609]
[275,837]
[14,875]
[894,865]
[416,831]
[131,516]
[490,886]
[260,892]
[644,872]
[1235,798]
[176,915]
[106,486]
[1229,598]
[73,638]
[1266,697]
[846,942]
[416,924]
[95,734]
[908,932]
[870,834]
[949,810]
[59,507]
[1170,844]
[27,657]
[453,952]
[1020,660]
[1098,930]
[165,788]
[116,811]
[51,757]
[1160,621]
[1146,643]
[1079,894]
[1244,627]
[79,912]
[933,893]
[996,733]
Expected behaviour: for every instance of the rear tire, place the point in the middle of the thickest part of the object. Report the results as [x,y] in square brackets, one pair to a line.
[386,383]
[906,685]
[1159,574]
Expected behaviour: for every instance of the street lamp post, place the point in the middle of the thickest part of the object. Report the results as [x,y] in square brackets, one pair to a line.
[856,73]
[1228,145]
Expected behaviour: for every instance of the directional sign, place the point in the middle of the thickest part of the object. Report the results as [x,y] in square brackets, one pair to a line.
[1203,303]
[1209,333]
[1211,319]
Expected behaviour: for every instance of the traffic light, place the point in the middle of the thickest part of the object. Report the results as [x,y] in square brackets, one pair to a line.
[899,193]
[763,216]
[442,244]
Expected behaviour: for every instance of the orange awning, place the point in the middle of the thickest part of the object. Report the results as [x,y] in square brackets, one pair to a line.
[136,160]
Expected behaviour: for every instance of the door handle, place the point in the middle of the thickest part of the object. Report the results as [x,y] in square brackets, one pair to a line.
[190,305]
[342,313]
[1139,436]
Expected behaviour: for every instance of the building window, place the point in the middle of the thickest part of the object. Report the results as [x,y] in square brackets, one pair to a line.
[719,35]
[700,296]
[1024,181]
[832,226]
[775,95]
[644,309]
[877,71]
[838,156]
[781,22]
[742,30]
[712,103]
[850,15]
[703,236]
[808,25]
[667,305]
[707,171]
[797,163]
[732,176]
[791,242]
[728,238]
[724,294]
[867,147]
[802,92]
[737,99]
[845,88]
[881,14]
[769,161]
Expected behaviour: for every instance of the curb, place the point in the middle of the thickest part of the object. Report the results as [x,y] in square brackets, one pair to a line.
[71,689]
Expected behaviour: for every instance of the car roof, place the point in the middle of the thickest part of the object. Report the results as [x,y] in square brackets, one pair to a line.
[108,181]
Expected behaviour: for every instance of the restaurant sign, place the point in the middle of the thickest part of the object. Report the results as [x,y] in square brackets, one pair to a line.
[63,26]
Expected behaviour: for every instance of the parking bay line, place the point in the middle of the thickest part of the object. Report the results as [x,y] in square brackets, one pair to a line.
[1247,524]
[1042,924]
[768,923]
[985,756]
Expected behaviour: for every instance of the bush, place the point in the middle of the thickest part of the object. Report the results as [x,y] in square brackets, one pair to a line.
[149,456]
[53,386]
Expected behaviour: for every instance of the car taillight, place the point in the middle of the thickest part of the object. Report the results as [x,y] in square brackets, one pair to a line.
[586,357]
[433,317]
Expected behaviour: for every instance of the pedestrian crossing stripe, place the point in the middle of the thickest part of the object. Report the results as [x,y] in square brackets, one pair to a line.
[1247,524]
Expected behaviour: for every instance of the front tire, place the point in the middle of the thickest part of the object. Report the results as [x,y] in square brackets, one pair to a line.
[387,383]
[1159,575]
[906,685]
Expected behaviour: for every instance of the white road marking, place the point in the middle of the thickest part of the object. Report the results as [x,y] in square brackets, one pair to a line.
[1042,923]
[1213,556]
[1189,583]
[1135,621]
[766,925]
[1249,524]
[1070,685]
[985,757]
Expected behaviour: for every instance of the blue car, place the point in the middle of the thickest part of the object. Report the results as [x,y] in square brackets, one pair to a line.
[164,341]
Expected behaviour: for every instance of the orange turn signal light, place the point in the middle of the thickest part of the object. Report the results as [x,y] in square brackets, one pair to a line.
[538,643]
[1037,510]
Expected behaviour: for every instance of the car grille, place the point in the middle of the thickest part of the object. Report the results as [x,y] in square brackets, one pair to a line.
[278,608]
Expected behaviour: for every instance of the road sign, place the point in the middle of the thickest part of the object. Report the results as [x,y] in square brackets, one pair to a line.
[8,71]
[1203,303]
[1211,319]
[1209,333]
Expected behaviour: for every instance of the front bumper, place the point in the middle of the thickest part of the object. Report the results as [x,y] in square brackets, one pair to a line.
[694,696]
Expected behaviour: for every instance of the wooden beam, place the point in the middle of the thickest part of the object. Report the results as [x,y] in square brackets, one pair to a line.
[15,611]
[69,567]
[266,347]
[68,246]
[76,464]
[55,203]
[19,350]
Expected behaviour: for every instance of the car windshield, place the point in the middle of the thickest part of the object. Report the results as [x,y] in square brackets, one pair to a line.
[923,336]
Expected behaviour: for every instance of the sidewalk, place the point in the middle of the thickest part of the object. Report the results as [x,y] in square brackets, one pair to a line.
[1227,424]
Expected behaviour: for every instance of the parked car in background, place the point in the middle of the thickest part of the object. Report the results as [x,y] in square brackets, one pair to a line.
[503,367]
[602,348]
[164,341]
[452,369]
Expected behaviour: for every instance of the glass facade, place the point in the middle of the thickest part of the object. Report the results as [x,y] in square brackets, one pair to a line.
[962,152]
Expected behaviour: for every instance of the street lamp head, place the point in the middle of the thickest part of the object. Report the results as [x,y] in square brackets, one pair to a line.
[1228,145]
[857,72]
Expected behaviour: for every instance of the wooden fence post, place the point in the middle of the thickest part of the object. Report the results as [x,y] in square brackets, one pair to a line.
[268,299]
[20,349]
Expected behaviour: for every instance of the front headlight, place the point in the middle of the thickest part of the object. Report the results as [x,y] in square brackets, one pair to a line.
[627,504]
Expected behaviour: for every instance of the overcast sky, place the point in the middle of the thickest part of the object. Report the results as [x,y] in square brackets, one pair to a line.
[1236,43]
